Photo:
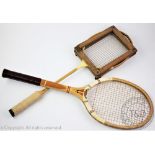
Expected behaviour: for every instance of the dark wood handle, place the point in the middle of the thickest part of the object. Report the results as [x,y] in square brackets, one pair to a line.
[21,77]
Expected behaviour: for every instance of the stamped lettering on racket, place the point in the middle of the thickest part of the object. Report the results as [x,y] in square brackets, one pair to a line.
[134,110]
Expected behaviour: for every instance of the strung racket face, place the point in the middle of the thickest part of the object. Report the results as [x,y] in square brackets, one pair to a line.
[118,103]
[105,50]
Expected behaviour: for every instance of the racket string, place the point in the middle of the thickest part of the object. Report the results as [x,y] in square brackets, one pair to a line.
[118,103]
[105,51]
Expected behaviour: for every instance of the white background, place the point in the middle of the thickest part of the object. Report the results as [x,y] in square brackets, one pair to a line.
[78,142]
[47,51]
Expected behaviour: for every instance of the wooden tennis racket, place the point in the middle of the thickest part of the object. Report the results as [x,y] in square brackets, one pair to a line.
[113,102]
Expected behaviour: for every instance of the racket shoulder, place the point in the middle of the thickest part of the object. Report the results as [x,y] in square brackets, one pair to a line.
[78,92]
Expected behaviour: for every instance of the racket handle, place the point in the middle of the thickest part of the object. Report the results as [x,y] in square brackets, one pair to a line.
[26,103]
[21,77]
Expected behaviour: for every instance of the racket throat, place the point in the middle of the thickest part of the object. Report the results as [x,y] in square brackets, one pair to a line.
[79,92]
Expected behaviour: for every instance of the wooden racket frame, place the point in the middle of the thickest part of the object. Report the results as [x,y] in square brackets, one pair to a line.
[82,92]
[121,36]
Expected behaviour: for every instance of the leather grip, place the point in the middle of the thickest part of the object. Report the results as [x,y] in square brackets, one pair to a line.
[21,77]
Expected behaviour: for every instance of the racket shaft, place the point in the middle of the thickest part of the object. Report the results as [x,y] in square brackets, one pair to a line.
[34,80]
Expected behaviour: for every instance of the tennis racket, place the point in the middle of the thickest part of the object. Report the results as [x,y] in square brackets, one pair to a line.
[113,102]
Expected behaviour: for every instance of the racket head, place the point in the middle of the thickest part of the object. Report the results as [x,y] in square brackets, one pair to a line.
[105,50]
[121,105]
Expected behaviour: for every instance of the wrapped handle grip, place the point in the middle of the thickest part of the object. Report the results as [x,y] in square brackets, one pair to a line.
[21,77]
[25,103]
